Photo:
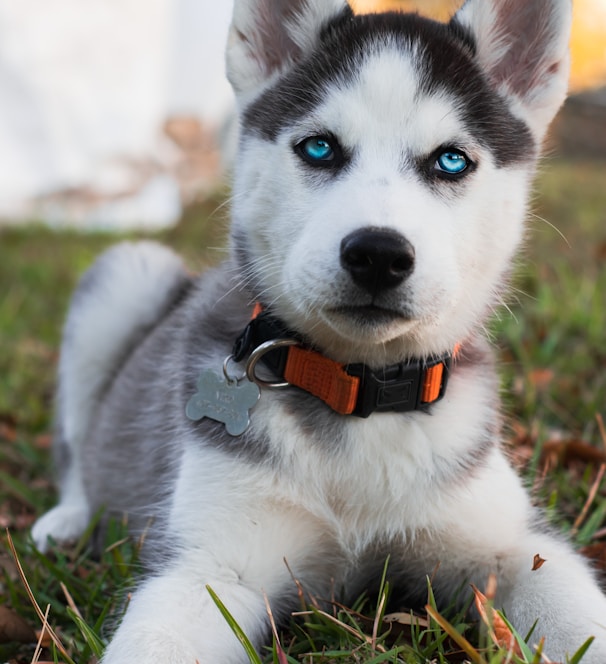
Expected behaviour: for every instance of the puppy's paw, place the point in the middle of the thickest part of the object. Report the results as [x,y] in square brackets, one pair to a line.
[63,523]
[149,646]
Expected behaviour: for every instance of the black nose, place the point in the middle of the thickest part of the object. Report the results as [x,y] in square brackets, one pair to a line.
[377,258]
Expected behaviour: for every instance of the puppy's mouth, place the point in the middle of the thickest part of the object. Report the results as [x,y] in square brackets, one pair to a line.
[371,315]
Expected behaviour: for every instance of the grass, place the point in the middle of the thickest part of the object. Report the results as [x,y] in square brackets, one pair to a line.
[553,356]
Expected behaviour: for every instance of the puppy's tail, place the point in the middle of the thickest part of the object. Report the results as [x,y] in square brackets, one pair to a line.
[122,296]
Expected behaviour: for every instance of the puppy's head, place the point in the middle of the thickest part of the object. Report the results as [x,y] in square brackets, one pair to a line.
[384,164]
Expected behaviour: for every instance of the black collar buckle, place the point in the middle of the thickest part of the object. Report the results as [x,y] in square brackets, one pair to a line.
[397,388]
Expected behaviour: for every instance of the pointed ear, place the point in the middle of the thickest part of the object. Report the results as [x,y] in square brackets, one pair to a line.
[268,36]
[522,45]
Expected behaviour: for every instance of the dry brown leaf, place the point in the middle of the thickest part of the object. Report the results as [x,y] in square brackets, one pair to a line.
[497,628]
[14,628]
[43,441]
[538,562]
[400,624]
[566,451]
[541,378]
[600,251]
[597,554]
[8,432]
[406,619]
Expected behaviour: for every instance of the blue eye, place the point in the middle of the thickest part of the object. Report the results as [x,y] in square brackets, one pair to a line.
[452,162]
[319,151]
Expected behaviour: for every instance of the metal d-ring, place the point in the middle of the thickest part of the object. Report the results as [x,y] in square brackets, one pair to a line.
[232,380]
[258,353]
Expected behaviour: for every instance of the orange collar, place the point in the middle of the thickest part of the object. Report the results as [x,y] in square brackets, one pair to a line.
[352,389]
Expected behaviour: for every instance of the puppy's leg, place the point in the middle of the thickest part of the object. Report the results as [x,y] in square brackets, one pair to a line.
[238,549]
[122,295]
[172,619]
[493,530]
[562,596]
[67,520]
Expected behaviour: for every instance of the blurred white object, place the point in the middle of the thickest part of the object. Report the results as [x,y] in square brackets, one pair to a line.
[87,89]
[197,82]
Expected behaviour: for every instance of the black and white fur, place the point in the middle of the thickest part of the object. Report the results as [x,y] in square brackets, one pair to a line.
[331,494]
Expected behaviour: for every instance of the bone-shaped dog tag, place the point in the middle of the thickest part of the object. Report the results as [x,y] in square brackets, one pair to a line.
[226,401]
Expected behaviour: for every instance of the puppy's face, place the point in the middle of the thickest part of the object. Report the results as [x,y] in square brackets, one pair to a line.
[380,218]
[383,170]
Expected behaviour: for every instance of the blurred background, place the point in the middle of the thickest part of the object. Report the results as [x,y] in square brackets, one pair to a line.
[112,113]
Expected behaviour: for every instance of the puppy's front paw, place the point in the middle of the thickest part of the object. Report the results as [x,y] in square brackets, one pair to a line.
[149,646]
[63,523]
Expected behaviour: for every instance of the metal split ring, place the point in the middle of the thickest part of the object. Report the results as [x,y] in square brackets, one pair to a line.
[258,353]
[229,377]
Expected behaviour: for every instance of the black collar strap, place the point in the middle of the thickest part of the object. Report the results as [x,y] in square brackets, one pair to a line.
[352,389]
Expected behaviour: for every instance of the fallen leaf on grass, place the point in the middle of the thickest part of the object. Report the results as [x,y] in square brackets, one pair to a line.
[43,441]
[43,638]
[14,628]
[597,554]
[566,451]
[541,378]
[8,432]
[406,619]
[497,628]
[400,623]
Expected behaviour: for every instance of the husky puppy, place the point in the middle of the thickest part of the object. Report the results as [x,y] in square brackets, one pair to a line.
[380,190]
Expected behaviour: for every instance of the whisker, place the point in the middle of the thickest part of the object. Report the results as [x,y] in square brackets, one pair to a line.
[553,226]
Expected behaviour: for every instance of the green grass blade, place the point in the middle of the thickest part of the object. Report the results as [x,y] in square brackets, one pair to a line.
[524,647]
[459,639]
[386,656]
[95,644]
[580,653]
[18,489]
[235,628]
